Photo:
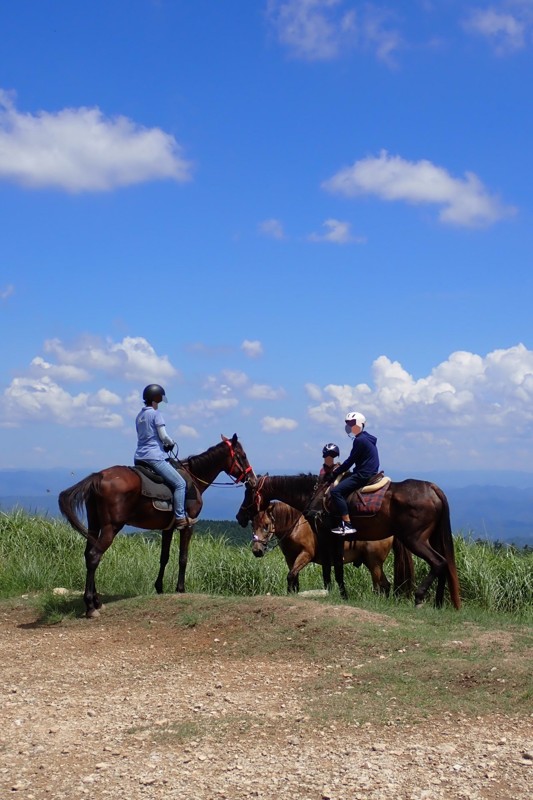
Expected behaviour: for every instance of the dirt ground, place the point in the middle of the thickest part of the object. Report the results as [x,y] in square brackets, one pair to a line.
[133,707]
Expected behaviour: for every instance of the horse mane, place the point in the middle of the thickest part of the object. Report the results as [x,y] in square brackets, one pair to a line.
[298,485]
[197,463]
[285,516]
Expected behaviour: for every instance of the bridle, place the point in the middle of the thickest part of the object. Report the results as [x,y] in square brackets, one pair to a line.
[257,498]
[243,475]
[268,530]
[236,471]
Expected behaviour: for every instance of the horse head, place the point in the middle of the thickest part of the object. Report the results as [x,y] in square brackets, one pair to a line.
[263,529]
[238,467]
[253,501]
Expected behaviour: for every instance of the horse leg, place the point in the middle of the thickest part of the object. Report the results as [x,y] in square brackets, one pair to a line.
[93,556]
[166,541]
[437,568]
[185,538]
[293,583]
[326,574]
[337,552]
[380,582]
[439,594]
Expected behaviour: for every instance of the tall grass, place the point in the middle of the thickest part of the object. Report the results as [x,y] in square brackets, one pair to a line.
[39,553]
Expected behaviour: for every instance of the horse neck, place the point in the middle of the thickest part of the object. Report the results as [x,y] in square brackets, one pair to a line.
[285,518]
[280,487]
[209,465]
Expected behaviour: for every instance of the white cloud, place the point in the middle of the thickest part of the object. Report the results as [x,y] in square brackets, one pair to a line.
[465,201]
[314,391]
[43,400]
[187,431]
[262,391]
[272,228]
[80,150]
[39,366]
[337,232]
[7,291]
[253,349]
[133,358]
[322,30]
[468,392]
[235,377]
[278,424]
[505,31]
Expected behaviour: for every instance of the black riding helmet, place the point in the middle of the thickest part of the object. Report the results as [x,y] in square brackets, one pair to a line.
[154,393]
[330,450]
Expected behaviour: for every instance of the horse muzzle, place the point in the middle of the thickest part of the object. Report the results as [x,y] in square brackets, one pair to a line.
[258,548]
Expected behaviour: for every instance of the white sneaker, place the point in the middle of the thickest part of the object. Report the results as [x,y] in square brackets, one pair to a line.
[344,529]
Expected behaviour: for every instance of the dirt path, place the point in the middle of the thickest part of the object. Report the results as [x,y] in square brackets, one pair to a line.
[134,708]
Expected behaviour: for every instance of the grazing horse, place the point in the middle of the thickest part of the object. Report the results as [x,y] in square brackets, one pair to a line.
[113,498]
[413,511]
[300,545]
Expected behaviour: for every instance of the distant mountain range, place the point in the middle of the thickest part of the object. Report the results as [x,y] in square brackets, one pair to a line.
[490,505]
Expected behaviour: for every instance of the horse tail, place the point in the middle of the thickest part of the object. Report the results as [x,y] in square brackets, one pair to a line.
[73,499]
[404,571]
[443,543]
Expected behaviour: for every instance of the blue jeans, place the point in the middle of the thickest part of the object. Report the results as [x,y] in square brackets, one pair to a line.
[340,492]
[173,479]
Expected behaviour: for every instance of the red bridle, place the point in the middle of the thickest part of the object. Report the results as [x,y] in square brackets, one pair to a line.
[241,476]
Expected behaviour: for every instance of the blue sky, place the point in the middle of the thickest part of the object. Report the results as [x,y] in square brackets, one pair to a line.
[282,211]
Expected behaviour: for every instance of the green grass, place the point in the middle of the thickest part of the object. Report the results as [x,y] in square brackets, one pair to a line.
[39,553]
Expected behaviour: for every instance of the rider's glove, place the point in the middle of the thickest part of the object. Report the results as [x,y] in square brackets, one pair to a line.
[168,447]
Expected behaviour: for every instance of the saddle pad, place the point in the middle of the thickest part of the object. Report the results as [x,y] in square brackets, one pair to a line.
[150,488]
[368,503]
[160,491]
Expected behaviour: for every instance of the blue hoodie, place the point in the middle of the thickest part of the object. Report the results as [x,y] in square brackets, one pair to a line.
[364,455]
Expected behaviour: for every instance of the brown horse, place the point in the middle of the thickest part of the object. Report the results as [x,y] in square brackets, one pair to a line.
[113,498]
[301,546]
[413,511]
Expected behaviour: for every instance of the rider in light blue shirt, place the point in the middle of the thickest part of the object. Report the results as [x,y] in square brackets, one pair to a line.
[153,444]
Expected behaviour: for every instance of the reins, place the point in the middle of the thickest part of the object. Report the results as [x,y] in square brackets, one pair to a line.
[234,481]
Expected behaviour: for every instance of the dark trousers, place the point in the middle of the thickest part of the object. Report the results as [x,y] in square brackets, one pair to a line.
[340,492]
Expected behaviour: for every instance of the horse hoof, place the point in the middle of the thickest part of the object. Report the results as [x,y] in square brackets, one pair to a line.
[419,605]
[93,614]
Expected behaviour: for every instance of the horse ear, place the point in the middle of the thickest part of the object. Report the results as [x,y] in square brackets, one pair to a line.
[224,438]
[234,439]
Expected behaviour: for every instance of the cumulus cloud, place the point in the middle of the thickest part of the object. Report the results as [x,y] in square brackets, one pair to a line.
[43,400]
[67,372]
[253,349]
[278,424]
[187,432]
[234,380]
[81,150]
[322,30]
[313,391]
[133,358]
[262,391]
[337,232]
[272,228]
[465,201]
[465,392]
[505,31]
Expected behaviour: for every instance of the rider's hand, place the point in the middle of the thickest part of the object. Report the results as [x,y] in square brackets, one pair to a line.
[168,447]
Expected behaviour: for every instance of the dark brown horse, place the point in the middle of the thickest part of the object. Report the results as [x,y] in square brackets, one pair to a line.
[415,512]
[301,546]
[113,498]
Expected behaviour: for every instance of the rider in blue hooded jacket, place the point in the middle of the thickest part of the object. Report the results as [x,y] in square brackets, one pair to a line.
[365,459]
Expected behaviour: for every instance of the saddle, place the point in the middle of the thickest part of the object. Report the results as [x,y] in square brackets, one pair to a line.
[154,487]
[367,499]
